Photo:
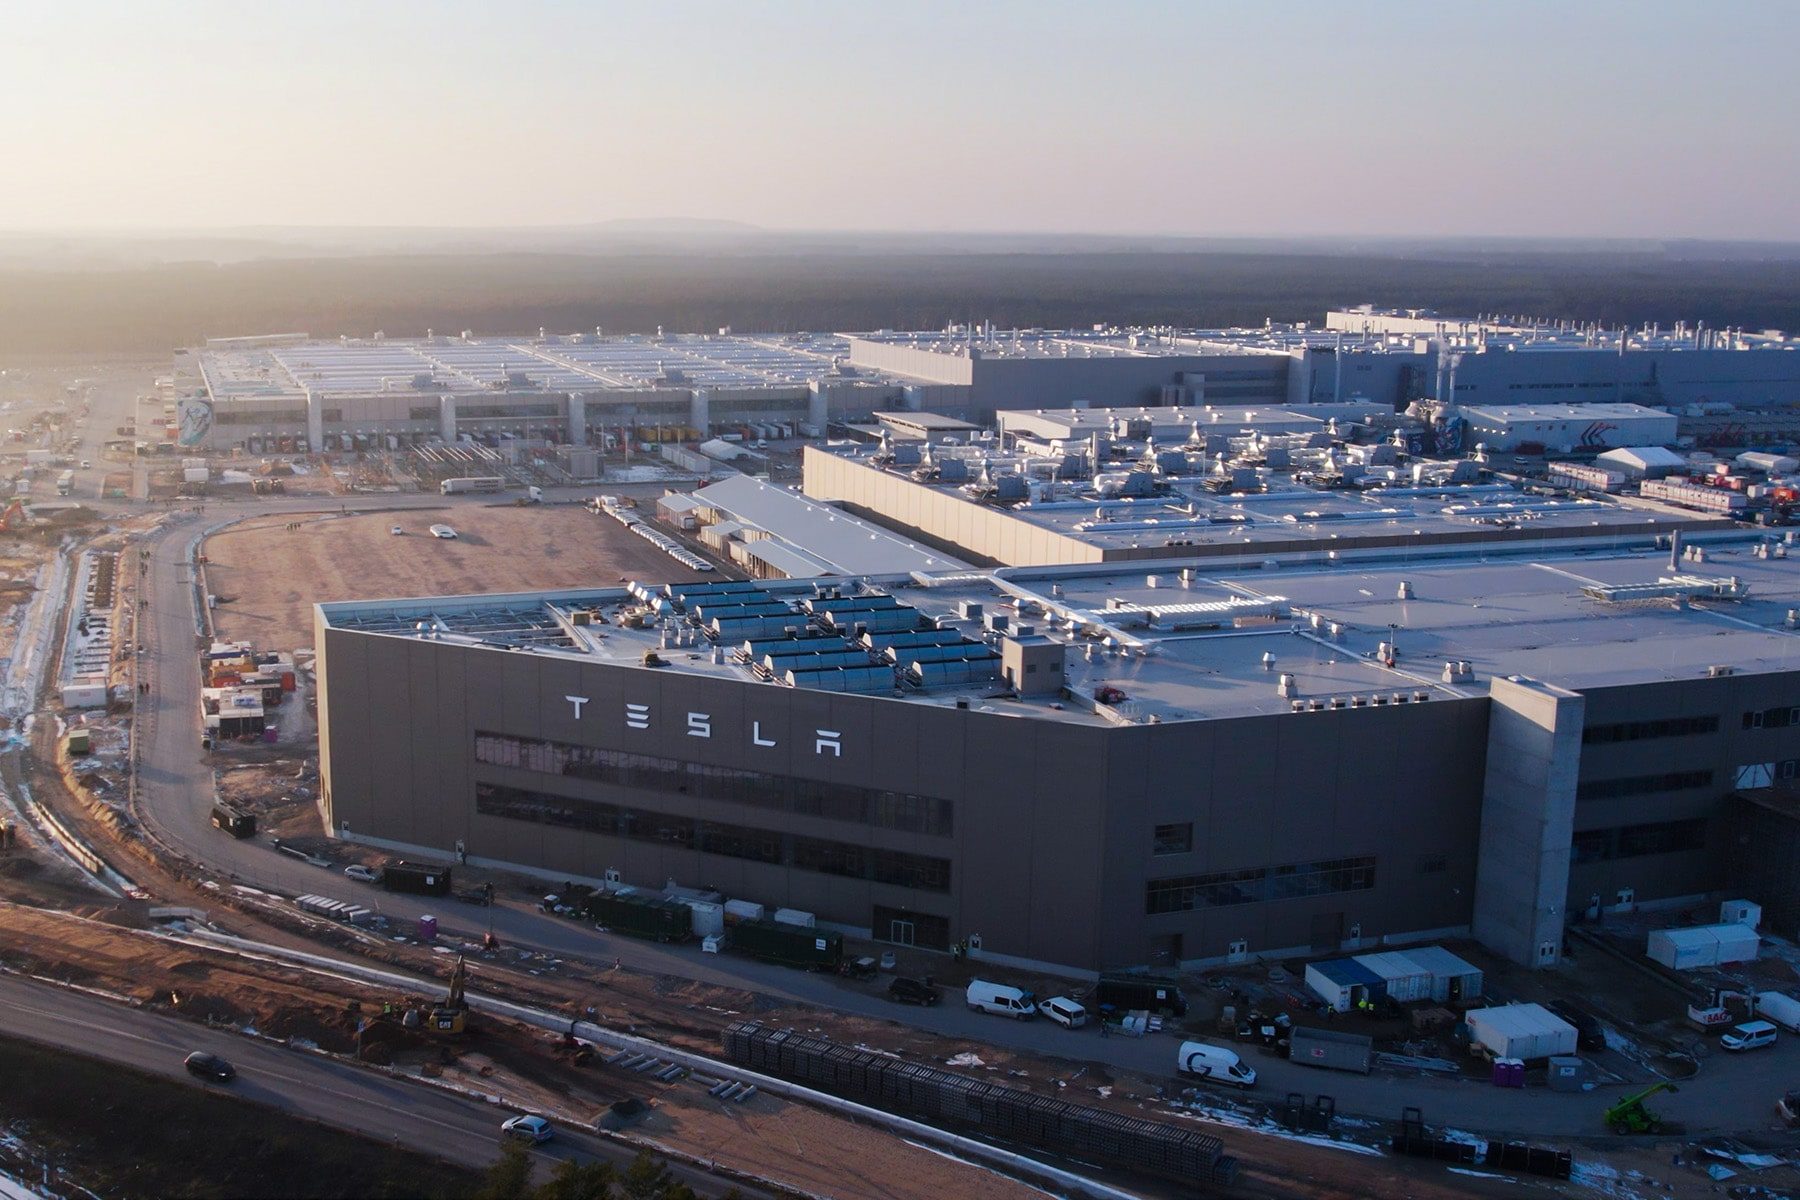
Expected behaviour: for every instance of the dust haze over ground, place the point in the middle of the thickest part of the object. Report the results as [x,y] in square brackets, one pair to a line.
[62,295]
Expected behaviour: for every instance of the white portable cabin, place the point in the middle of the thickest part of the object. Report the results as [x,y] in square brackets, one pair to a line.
[1453,979]
[1703,946]
[1402,980]
[1524,1031]
[794,916]
[1740,912]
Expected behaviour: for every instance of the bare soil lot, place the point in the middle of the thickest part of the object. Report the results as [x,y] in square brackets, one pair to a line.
[267,576]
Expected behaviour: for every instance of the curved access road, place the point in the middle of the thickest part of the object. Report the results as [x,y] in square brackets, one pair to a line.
[359,1100]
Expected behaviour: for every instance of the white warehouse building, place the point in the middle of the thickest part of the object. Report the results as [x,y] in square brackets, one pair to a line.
[1561,428]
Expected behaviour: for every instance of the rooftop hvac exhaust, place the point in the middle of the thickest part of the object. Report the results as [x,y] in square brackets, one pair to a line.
[1406,592]
[1268,661]
[1286,687]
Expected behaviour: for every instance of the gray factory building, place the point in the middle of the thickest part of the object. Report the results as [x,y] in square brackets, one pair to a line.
[1090,769]
[361,393]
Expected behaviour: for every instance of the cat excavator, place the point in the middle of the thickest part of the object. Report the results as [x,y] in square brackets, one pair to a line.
[452,1016]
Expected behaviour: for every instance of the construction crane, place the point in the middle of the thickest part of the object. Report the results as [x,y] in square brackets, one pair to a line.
[452,1016]
[1630,1116]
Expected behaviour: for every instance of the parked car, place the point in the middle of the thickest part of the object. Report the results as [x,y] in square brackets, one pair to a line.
[529,1128]
[913,991]
[365,874]
[396,531]
[1064,1012]
[86,465]
[443,531]
[1748,1036]
[210,1066]
[1589,1033]
[1001,1000]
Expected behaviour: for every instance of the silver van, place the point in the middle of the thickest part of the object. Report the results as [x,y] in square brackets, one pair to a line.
[1748,1036]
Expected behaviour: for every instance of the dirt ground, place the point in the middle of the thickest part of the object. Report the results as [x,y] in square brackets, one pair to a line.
[267,576]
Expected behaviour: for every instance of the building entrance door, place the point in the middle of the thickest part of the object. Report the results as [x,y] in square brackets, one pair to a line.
[1327,931]
[900,933]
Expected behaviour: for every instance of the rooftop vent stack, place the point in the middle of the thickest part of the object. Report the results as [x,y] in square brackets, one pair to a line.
[1793,618]
[1675,550]
[1285,686]
[1780,551]
[1268,661]
[1315,620]
[1465,669]
[1298,705]
[1187,577]
[1151,581]
[718,655]
[1336,630]
[1056,590]
[1406,592]
[1384,651]
[1450,672]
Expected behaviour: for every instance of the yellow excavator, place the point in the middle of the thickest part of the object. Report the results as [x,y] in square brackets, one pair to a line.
[452,1016]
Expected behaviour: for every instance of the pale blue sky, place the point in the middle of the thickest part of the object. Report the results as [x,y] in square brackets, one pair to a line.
[1600,119]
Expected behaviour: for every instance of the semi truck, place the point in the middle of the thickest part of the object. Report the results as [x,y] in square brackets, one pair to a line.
[65,483]
[640,916]
[789,945]
[471,483]
[424,879]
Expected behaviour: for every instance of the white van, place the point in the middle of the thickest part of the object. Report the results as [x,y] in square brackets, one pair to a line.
[1214,1063]
[1749,1036]
[999,999]
[1064,1012]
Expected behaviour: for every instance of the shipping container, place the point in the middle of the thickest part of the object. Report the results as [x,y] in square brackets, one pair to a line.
[794,916]
[233,820]
[471,483]
[707,918]
[1343,983]
[1703,946]
[1453,980]
[1140,993]
[637,915]
[743,910]
[1331,1049]
[1402,980]
[425,879]
[789,945]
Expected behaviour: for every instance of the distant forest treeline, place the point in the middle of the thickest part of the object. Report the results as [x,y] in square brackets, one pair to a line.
[162,307]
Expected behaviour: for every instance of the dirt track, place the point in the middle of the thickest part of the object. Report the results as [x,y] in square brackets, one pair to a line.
[268,577]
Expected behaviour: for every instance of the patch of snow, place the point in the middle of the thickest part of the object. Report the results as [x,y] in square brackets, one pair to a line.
[1479,1174]
[965,1059]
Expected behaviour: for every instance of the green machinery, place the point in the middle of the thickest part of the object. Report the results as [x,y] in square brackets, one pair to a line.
[1630,1116]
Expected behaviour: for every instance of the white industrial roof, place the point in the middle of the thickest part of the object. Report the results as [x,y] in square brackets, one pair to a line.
[830,535]
[1643,457]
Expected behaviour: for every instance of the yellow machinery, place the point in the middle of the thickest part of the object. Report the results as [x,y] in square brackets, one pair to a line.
[452,1016]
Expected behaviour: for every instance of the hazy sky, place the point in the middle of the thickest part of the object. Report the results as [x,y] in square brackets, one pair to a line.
[1629,119]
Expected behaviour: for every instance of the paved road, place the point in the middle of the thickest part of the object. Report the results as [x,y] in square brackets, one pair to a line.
[367,1102]
[1731,1094]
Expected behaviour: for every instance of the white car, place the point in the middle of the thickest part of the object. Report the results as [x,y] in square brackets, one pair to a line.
[86,465]
[365,874]
[1064,1012]
[442,531]
[396,531]
[530,1128]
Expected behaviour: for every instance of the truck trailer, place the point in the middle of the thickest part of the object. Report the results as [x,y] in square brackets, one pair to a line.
[640,916]
[789,945]
[1331,1049]
[1133,993]
[471,483]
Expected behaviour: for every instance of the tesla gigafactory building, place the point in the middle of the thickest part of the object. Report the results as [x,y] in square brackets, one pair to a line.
[1095,767]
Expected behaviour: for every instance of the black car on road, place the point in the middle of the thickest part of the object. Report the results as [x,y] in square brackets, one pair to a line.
[210,1066]
[913,991]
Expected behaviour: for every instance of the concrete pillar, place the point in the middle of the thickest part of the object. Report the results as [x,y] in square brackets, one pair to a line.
[577,418]
[818,406]
[700,412]
[315,422]
[447,418]
[1527,819]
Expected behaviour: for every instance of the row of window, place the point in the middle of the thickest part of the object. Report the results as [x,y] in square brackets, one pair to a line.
[477,411]
[1637,731]
[1184,893]
[715,837]
[225,415]
[1172,839]
[1772,718]
[1643,785]
[784,793]
[1635,841]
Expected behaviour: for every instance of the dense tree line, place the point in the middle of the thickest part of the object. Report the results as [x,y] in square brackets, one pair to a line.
[158,308]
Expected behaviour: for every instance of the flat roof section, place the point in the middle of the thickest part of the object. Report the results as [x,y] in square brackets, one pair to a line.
[1212,647]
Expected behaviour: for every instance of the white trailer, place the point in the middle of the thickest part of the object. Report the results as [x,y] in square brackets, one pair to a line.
[471,483]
